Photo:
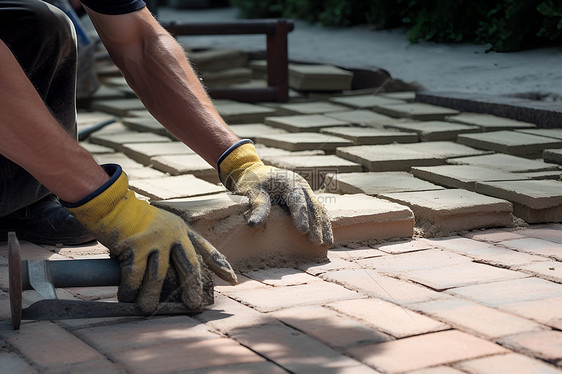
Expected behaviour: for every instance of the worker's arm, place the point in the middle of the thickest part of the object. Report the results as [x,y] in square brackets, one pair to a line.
[156,68]
[32,138]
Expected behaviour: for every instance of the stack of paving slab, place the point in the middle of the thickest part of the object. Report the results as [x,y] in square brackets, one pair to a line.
[384,166]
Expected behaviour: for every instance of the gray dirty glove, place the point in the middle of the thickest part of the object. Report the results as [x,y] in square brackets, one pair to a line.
[242,172]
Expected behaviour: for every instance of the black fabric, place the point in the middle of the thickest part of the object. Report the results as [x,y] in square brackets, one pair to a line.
[114,6]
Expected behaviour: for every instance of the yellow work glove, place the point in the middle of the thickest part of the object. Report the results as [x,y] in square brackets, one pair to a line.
[242,172]
[147,241]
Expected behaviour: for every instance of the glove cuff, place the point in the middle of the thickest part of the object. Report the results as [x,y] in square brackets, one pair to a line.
[99,203]
[238,158]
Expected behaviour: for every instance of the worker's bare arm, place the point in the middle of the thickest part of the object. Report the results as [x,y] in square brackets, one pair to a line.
[32,138]
[157,69]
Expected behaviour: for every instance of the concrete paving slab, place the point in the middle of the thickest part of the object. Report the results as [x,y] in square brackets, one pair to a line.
[319,107]
[488,122]
[319,78]
[117,141]
[89,118]
[302,141]
[235,112]
[462,176]
[554,175]
[508,363]
[174,187]
[401,157]
[144,152]
[362,117]
[360,217]
[119,158]
[225,78]
[186,164]
[252,130]
[533,200]
[417,111]
[304,123]
[365,101]
[315,168]
[370,136]
[214,59]
[402,95]
[549,133]
[146,124]
[553,155]
[435,130]
[373,183]
[265,152]
[117,107]
[545,311]
[510,142]
[503,162]
[96,148]
[446,211]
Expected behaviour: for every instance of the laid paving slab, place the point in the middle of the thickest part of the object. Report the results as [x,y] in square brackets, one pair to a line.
[186,164]
[401,157]
[373,183]
[303,141]
[119,158]
[533,200]
[488,122]
[387,317]
[401,95]
[507,363]
[88,118]
[554,175]
[417,111]
[174,187]
[545,311]
[549,133]
[252,130]
[96,148]
[218,59]
[225,78]
[319,78]
[553,155]
[362,117]
[535,246]
[365,101]
[265,152]
[117,107]
[315,168]
[304,123]
[439,212]
[235,112]
[509,291]
[371,136]
[319,107]
[146,124]
[490,323]
[549,270]
[435,130]
[144,152]
[510,142]
[424,351]
[541,344]
[462,176]
[503,162]
[118,140]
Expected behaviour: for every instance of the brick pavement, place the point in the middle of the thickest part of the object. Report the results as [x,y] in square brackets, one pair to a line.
[483,296]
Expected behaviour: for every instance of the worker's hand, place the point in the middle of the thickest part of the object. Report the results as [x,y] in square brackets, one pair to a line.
[242,172]
[147,241]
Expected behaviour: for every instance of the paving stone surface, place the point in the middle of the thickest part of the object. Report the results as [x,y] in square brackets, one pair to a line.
[373,183]
[319,78]
[533,200]
[462,176]
[186,164]
[549,133]
[174,187]
[435,130]
[362,117]
[119,107]
[511,142]
[252,130]
[144,152]
[313,107]
[489,122]
[235,112]
[368,136]
[452,210]
[118,140]
[553,155]
[417,111]
[365,101]
[304,141]
[304,123]
[509,163]
[146,124]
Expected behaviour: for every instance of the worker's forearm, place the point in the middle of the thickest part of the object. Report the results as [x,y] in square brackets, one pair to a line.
[157,69]
[32,138]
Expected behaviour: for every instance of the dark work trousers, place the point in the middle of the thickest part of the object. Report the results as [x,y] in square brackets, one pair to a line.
[43,40]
